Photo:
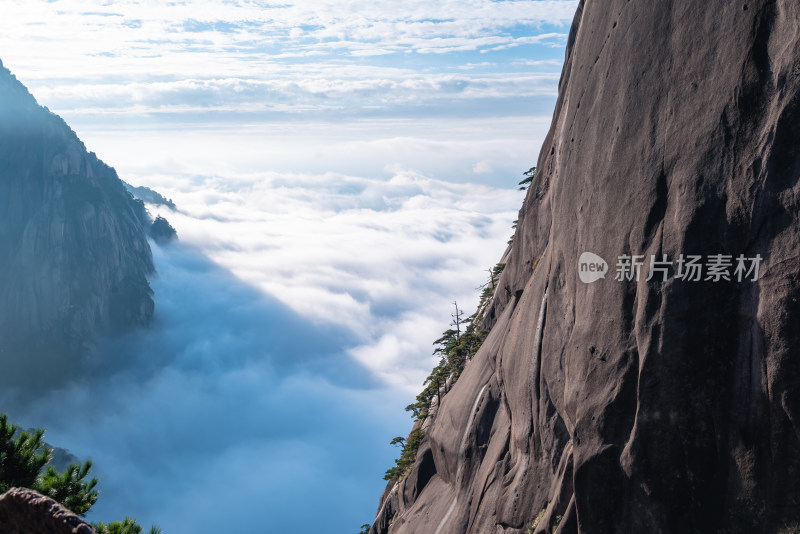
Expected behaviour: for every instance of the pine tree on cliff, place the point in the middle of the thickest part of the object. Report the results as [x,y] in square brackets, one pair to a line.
[22,460]
[24,454]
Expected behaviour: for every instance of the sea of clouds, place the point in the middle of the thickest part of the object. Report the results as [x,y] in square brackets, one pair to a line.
[294,321]
[343,172]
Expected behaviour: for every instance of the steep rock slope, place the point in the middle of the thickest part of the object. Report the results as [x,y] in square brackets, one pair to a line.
[640,406]
[74,258]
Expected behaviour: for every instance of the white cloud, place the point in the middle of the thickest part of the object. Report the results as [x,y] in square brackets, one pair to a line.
[318,91]
[388,238]
[137,57]
[292,399]
[371,255]
[129,29]
[482,167]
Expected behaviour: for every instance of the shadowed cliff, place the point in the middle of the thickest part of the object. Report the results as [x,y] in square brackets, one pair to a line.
[74,257]
[629,406]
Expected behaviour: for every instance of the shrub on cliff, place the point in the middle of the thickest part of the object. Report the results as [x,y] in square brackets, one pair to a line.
[69,488]
[162,231]
[454,350]
[22,459]
[128,526]
[407,458]
[23,456]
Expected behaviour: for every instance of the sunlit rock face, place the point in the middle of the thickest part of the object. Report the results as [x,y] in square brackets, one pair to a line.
[74,258]
[630,406]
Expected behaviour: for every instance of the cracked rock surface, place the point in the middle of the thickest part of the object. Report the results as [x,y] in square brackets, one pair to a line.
[660,406]
[74,256]
[23,511]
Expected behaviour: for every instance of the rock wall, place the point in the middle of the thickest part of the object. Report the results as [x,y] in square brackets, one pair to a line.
[657,406]
[74,258]
[23,511]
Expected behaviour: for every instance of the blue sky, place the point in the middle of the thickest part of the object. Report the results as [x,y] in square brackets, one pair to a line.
[343,171]
[316,59]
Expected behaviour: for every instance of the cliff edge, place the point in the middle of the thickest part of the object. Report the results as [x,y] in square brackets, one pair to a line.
[627,404]
[74,256]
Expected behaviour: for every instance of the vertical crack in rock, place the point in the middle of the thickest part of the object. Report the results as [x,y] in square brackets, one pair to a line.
[462,450]
[388,495]
[533,398]
[536,363]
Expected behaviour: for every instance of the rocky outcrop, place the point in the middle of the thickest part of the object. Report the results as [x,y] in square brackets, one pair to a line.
[74,257]
[664,405]
[145,194]
[162,232]
[23,511]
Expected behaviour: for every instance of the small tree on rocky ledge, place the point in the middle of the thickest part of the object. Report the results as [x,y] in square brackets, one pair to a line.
[407,457]
[457,319]
[529,176]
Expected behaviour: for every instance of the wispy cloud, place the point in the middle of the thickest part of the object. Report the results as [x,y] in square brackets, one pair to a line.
[152,57]
[317,92]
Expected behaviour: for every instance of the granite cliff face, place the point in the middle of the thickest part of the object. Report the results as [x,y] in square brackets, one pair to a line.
[23,511]
[74,257]
[640,406]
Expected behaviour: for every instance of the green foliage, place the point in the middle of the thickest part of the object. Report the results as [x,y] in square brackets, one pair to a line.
[407,457]
[146,194]
[529,176]
[455,348]
[524,184]
[454,351]
[535,523]
[364,528]
[70,488]
[128,526]
[488,289]
[21,459]
[162,231]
